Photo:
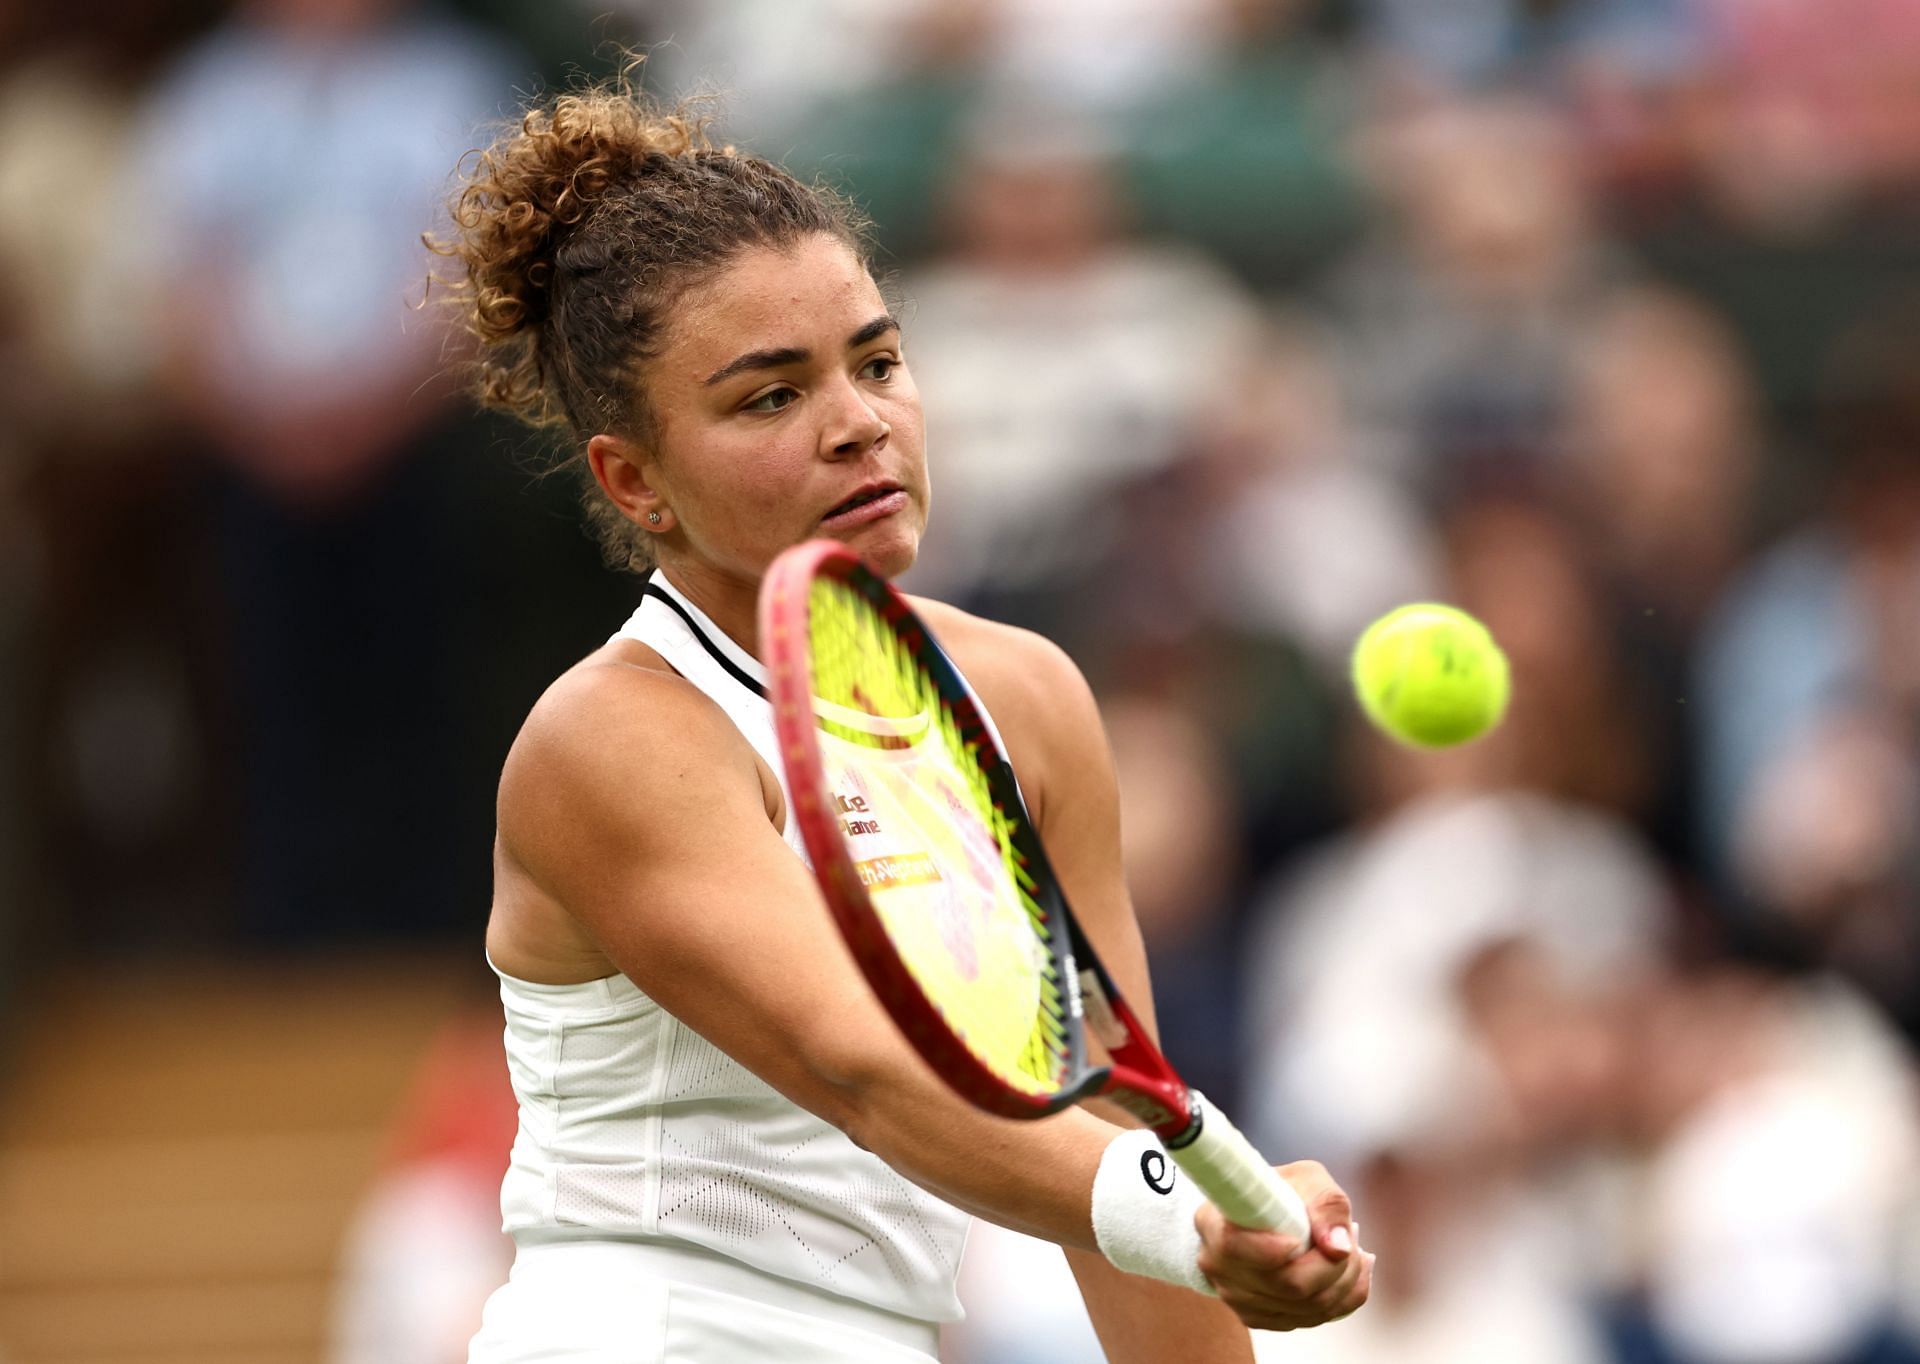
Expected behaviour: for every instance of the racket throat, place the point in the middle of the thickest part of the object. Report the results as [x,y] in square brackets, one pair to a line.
[1169,1108]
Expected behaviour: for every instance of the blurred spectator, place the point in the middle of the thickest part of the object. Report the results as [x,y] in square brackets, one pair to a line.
[281,176]
[1437,995]
[66,110]
[779,62]
[1813,109]
[1303,537]
[1469,43]
[1460,318]
[284,170]
[1786,1151]
[774,63]
[1370,919]
[1104,54]
[1575,727]
[1182,867]
[98,756]
[1663,481]
[1057,356]
[425,1247]
[1664,453]
[1810,688]
[1827,843]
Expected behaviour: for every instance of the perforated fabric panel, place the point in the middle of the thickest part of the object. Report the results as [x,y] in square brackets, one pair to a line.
[791,1194]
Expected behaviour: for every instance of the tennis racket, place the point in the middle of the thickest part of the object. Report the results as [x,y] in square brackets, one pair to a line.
[934,873]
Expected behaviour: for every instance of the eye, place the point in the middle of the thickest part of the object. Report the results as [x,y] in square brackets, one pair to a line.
[884,364]
[773,400]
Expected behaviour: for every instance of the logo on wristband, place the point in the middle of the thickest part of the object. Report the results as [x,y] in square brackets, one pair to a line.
[1157,1172]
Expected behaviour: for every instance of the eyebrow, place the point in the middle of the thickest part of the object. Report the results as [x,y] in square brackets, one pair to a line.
[794,355]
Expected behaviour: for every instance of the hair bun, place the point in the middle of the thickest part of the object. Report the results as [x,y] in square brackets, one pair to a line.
[519,200]
[525,193]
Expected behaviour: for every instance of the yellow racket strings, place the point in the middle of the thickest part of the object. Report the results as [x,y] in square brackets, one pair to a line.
[1010,1016]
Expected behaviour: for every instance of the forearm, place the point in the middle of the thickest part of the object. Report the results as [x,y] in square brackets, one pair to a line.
[1034,1177]
[1144,1321]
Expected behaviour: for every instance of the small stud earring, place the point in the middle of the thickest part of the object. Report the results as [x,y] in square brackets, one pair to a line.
[653,518]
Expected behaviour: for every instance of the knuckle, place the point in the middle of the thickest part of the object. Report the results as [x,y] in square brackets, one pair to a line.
[1306,1174]
[1333,1201]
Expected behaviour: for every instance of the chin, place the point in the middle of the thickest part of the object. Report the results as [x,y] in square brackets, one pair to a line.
[890,555]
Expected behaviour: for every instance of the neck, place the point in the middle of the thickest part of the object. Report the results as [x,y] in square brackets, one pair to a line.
[730,602]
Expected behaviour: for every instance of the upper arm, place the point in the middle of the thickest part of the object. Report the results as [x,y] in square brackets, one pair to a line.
[635,804]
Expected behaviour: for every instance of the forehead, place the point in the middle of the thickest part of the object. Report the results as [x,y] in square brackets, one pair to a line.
[810,295]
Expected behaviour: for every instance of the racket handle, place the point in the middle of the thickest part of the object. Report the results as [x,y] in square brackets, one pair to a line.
[1237,1179]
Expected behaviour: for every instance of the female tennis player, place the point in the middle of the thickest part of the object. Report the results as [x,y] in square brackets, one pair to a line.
[726,1149]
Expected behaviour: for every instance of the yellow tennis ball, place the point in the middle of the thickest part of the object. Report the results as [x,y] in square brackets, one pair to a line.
[1430,675]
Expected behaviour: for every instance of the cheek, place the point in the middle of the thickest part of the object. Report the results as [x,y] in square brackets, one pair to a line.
[758,475]
[902,412]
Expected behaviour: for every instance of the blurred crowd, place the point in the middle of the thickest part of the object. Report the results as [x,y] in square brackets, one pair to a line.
[1237,323]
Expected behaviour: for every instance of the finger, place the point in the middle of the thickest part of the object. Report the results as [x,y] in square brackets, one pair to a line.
[1264,1251]
[1360,1293]
[1332,1300]
[1292,1283]
[1328,1207]
[1265,1314]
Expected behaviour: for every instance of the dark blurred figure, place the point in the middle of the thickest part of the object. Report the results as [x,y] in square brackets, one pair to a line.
[1182,864]
[102,794]
[1662,481]
[281,176]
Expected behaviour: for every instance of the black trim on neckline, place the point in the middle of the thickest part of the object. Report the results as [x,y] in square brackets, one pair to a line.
[734,670]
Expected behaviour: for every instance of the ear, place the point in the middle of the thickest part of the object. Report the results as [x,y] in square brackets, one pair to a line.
[624,470]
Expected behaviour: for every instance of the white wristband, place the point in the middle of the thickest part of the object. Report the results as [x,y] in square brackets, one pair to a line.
[1143,1211]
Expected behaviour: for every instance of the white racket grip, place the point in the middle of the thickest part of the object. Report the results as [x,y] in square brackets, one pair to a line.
[1237,1179]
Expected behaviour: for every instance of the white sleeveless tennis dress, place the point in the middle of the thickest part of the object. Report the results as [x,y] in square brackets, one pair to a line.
[667,1205]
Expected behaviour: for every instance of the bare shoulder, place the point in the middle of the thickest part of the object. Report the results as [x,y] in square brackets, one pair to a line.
[1036,693]
[605,734]
[997,657]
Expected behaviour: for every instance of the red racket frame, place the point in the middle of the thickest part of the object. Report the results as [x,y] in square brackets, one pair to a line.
[1139,1076]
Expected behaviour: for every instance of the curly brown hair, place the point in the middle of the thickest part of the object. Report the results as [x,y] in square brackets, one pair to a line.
[577,230]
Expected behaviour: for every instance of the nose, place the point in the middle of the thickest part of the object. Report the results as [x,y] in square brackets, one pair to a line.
[854,428]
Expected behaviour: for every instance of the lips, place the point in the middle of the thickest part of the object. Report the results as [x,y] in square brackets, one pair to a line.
[868,504]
